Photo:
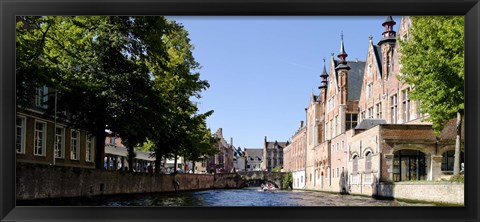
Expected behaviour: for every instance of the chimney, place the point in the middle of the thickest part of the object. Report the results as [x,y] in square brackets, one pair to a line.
[219,132]
[231,141]
[301,124]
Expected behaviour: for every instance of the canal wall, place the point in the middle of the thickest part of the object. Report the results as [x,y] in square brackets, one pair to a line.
[444,192]
[36,181]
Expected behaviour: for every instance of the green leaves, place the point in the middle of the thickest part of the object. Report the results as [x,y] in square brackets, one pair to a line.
[433,62]
[134,74]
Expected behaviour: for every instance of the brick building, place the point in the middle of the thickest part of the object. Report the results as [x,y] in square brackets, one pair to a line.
[41,139]
[273,154]
[294,157]
[362,129]
[221,162]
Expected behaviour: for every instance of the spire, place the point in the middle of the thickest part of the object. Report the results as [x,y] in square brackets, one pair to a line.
[323,76]
[342,63]
[388,34]
[342,54]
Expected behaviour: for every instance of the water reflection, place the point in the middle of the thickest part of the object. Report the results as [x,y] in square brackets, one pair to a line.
[240,197]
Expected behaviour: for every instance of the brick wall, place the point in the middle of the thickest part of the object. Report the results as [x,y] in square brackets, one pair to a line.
[35,181]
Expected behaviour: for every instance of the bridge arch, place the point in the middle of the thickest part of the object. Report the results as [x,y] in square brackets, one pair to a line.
[258,177]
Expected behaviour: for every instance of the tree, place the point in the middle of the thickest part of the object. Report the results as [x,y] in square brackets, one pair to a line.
[135,75]
[433,63]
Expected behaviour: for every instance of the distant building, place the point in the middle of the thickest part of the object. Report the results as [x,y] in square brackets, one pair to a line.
[294,157]
[116,156]
[221,162]
[239,160]
[273,154]
[254,159]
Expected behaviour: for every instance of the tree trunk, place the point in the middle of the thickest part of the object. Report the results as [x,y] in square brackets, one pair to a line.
[193,167]
[456,163]
[158,159]
[100,136]
[131,154]
[175,164]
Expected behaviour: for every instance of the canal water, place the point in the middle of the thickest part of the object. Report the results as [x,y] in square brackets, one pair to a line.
[239,197]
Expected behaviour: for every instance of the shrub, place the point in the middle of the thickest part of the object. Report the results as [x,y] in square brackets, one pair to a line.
[458,179]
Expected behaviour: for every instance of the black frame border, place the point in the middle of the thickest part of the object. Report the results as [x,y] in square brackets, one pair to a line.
[10,8]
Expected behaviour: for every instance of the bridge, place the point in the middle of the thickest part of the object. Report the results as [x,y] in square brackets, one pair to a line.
[255,178]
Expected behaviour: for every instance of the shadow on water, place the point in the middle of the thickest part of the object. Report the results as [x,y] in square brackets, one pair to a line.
[249,196]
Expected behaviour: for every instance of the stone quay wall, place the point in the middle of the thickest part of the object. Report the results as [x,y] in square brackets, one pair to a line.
[37,181]
[444,192]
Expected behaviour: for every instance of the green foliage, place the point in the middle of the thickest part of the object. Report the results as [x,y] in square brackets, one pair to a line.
[433,63]
[458,178]
[277,169]
[287,179]
[135,75]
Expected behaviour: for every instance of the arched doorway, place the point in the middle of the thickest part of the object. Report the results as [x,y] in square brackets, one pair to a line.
[409,165]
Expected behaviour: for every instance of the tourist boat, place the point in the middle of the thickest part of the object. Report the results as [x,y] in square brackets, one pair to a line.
[268,187]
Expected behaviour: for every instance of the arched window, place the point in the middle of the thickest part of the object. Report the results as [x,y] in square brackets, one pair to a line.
[368,161]
[355,164]
[448,160]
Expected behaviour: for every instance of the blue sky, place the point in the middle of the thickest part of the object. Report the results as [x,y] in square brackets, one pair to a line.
[262,70]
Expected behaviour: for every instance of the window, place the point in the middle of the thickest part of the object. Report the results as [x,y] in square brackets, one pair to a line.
[368,161]
[355,164]
[370,113]
[338,146]
[393,109]
[336,126]
[363,115]
[369,90]
[89,149]
[41,97]
[74,145]
[338,172]
[369,70]
[405,106]
[351,120]
[448,160]
[39,140]
[59,142]
[343,145]
[20,134]
[378,110]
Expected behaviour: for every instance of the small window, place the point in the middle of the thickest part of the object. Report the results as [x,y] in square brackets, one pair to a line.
[74,144]
[368,161]
[20,134]
[59,142]
[355,164]
[40,138]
